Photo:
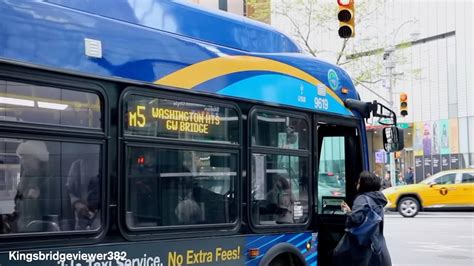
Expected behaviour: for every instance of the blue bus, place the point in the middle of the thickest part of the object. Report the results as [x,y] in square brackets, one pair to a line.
[161,133]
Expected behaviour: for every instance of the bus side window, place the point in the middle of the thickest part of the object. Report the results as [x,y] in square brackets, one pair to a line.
[31,198]
[180,187]
[279,168]
[41,201]
[83,186]
[279,189]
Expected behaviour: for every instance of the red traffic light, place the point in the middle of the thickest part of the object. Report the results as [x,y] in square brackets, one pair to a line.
[344,2]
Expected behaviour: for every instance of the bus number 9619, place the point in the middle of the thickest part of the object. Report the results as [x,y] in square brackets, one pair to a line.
[321,103]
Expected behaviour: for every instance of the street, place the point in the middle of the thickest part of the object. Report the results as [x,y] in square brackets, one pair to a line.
[431,238]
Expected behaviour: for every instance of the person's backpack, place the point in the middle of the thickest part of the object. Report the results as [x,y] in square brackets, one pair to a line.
[363,234]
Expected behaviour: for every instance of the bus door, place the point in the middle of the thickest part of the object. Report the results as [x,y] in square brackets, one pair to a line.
[339,160]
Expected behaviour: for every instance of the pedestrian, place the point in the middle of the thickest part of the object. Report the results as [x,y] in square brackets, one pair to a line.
[386,183]
[369,247]
[401,180]
[409,177]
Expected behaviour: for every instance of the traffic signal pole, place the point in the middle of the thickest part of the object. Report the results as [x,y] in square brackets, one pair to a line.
[389,66]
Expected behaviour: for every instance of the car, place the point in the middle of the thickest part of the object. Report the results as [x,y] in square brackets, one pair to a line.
[447,190]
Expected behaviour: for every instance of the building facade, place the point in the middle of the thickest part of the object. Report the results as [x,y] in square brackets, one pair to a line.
[432,64]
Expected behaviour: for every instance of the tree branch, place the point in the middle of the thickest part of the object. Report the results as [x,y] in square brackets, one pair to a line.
[341,52]
[300,35]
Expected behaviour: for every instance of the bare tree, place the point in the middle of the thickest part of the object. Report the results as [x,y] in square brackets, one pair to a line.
[309,18]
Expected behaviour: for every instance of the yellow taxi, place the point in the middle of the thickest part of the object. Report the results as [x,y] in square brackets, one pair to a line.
[452,189]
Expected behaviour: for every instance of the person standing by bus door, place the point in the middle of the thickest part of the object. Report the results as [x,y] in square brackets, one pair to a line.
[84,190]
[369,197]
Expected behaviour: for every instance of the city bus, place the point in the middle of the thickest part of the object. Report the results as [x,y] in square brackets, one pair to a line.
[161,133]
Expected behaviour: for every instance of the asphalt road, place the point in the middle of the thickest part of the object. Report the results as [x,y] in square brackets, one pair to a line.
[431,238]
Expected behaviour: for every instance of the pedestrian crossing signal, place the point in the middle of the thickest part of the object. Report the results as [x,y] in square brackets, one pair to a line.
[346,18]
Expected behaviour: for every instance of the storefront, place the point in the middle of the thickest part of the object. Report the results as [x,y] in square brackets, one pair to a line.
[430,147]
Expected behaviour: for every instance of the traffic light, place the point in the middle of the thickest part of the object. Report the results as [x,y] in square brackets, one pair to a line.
[403,104]
[346,18]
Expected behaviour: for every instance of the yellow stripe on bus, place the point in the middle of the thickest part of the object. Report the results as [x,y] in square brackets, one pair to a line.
[198,73]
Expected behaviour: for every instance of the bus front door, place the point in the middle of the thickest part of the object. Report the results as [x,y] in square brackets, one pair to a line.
[339,162]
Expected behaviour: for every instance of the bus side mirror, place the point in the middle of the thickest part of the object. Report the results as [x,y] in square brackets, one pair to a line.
[392,139]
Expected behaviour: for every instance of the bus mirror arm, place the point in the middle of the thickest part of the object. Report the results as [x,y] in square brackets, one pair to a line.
[372,108]
[381,111]
[364,108]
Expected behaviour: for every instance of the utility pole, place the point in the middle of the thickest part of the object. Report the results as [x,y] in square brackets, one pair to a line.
[389,66]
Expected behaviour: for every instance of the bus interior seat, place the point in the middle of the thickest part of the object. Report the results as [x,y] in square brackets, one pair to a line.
[42,226]
[143,211]
[216,206]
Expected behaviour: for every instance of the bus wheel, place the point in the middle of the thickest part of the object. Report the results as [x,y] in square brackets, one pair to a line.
[285,259]
[408,207]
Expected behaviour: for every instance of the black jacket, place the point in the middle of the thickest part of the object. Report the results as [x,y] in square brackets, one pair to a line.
[377,254]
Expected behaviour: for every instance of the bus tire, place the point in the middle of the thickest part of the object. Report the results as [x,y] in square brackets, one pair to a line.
[284,254]
[285,259]
[408,207]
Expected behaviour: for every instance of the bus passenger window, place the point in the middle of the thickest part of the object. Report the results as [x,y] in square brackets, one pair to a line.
[279,131]
[83,186]
[279,168]
[179,187]
[49,105]
[40,199]
[279,189]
